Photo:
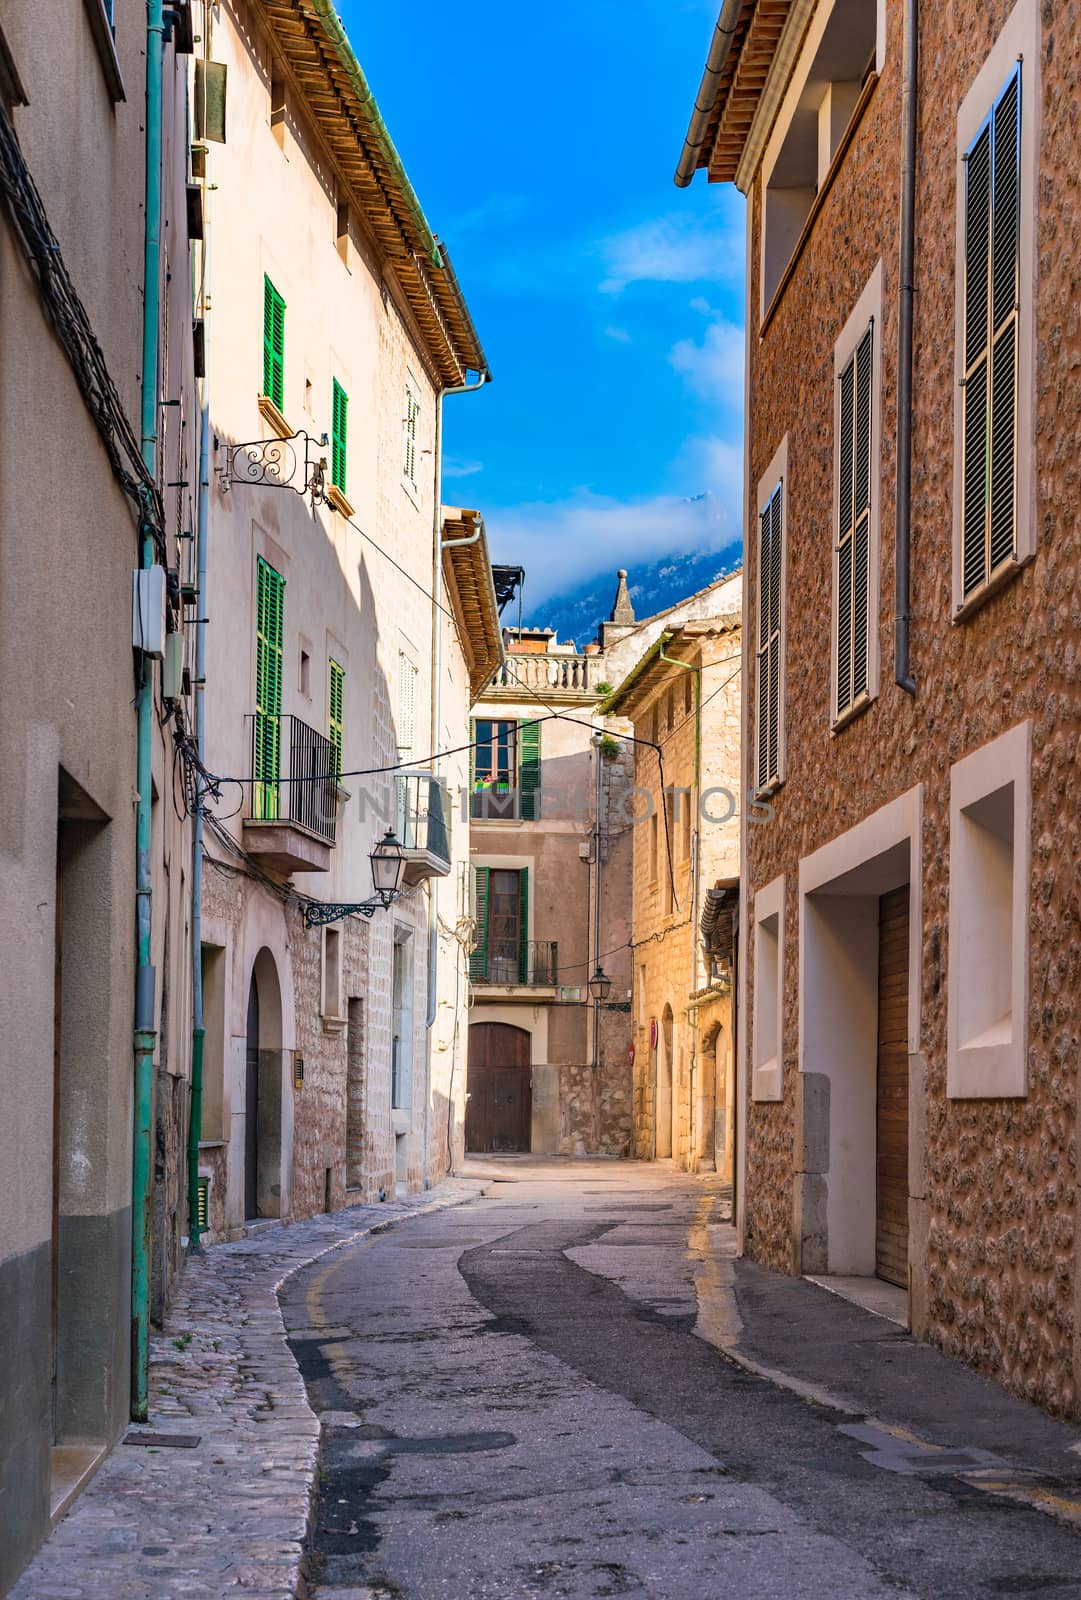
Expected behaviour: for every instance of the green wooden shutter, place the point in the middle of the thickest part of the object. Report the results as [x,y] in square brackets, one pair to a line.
[529,770]
[336,720]
[273,344]
[266,752]
[339,411]
[523,925]
[478,957]
[992,287]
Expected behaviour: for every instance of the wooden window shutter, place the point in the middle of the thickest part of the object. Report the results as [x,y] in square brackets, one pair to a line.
[529,770]
[769,640]
[273,344]
[992,263]
[523,925]
[412,413]
[478,958]
[337,709]
[266,744]
[338,435]
[854,525]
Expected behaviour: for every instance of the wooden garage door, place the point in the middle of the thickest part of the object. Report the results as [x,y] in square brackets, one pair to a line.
[499,1111]
[891,1231]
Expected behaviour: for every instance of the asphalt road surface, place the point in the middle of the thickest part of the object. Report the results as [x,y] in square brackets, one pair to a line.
[515,1402]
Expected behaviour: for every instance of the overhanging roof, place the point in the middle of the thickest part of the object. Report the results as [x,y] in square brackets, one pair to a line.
[641,682]
[315,46]
[467,573]
[740,59]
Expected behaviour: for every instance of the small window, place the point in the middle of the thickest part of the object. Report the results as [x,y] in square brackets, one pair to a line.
[341,227]
[688,693]
[305,674]
[273,344]
[495,770]
[654,835]
[339,413]
[332,970]
[990,822]
[768,1010]
[412,421]
[277,110]
[670,707]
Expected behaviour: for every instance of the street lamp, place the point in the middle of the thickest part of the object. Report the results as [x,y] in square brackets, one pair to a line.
[600,985]
[388,864]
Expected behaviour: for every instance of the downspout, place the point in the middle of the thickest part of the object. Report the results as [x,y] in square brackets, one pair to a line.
[436,702]
[144,1032]
[202,523]
[907,290]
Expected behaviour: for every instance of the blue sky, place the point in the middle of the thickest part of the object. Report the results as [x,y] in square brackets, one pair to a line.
[542,141]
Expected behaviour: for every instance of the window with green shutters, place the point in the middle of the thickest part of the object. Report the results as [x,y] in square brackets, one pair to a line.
[266,752]
[339,409]
[335,719]
[992,257]
[529,772]
[853,526]
[273,344]
[768,660]
[478,958]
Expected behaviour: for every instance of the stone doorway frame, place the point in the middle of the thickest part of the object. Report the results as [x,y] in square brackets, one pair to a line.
[834,1190]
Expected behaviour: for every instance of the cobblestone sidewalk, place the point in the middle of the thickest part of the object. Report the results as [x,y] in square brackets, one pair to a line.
[228,1518]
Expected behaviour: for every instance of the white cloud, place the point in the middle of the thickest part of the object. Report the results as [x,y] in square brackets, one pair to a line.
[565,542]
[682,247]
[713,366]
[620,335]
[455,467]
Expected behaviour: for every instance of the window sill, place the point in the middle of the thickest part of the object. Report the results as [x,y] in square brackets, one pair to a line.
[333,1025]
[411,491]
[273,416]
[105,45]
[819,201]
[766,791]
[337,499]
[853,712]
[998,580]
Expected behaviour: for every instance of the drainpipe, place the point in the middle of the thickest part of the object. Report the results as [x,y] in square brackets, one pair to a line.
[436,700]
[597,739]
[907,289]
[145,1032]
[202,523]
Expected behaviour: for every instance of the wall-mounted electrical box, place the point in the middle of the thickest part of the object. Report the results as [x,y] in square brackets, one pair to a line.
[172,667]
[148,611]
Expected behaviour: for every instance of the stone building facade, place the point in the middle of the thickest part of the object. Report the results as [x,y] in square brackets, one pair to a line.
[909,953]
[549,1069]
[682,702]
[361,621]
[81,468]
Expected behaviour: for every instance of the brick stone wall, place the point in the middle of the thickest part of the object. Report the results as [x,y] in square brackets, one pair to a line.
[1001,1176]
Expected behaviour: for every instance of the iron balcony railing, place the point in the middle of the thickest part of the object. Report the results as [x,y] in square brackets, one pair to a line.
[533,962]
[424,809]
[294,775]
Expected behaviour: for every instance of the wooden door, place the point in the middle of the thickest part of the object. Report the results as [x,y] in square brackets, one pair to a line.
[891,1221]
[251,1107]
[499,1111]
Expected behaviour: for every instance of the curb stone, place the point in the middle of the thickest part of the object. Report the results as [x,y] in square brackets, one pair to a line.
[230,1518]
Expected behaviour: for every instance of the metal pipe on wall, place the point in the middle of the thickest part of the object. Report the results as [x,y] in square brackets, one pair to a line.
[145,1031]
[906,296]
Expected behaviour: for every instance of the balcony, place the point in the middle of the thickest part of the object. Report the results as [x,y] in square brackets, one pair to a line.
[533,964]
[423,826]
[294,796]
[555,677]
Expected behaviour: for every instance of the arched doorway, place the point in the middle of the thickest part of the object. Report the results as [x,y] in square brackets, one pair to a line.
[263,1092]
[665,1098]
[499,1107]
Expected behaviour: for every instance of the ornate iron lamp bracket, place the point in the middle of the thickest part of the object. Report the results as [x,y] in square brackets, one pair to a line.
[276,464]
[316,913]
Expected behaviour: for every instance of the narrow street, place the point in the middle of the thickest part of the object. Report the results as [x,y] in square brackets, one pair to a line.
[525,1396]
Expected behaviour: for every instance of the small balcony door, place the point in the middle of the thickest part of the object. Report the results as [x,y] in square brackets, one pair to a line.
[507,929]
